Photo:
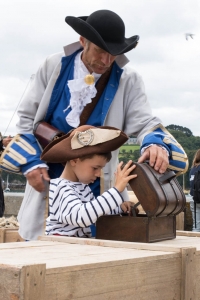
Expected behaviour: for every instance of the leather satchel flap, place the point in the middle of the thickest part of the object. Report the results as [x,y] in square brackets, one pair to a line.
[159,194]
[46,133]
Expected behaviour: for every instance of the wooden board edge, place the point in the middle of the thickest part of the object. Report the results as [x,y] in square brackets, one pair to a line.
[108,243]
[188,273]
[187,233]
[32,282]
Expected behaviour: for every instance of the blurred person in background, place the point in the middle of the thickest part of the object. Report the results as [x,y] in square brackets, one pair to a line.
[195,210]
[3,143]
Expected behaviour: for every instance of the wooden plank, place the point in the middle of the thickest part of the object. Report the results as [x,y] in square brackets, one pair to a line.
[180,221]
[9,282]
[188,282]
[167,246]
[159,279]
[188,233]
[22,283]
[108,243]
[75,256]
[12,235]
[24,245]
[197,274]
[183,242]
[32,282]
[9,235]
[2,235]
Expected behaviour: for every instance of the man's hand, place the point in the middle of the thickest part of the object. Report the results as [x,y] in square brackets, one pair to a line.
[36,178]
[7,140]
[157,157]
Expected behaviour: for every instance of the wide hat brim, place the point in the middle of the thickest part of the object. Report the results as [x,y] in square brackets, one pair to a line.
[110,35]
[60,150]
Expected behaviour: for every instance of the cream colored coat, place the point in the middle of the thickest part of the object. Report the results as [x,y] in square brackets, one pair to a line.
[130,111]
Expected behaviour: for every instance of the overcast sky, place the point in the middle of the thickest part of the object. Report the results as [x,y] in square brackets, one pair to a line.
[30,30]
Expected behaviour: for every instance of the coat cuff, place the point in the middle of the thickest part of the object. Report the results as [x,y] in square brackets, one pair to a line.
[21,154]
[178,161]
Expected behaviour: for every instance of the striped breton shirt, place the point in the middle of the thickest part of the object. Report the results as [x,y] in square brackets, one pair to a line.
[73,207]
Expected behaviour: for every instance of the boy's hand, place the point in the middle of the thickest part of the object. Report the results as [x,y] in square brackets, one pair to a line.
[126,207]
[122,175]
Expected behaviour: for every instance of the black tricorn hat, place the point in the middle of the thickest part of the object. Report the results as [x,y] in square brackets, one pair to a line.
[105,29]
[82,141]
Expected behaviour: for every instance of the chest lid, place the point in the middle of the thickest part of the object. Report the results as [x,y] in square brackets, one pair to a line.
[159,194]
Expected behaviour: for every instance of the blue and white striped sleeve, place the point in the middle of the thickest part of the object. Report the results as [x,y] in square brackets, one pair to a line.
[75,212]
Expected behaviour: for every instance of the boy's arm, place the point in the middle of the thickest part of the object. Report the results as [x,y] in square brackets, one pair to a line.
[75,212]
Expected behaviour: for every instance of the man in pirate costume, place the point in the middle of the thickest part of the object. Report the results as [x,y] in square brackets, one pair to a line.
[88,83]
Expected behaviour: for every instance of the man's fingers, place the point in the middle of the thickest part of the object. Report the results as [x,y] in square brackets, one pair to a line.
[143,157]
[157,157]
[36,178]
[45,174]
[37,183]
[151,155]
[163,167]
[162,160]
[161,163]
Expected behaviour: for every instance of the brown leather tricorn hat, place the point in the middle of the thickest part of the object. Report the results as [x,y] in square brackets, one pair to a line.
[82,141]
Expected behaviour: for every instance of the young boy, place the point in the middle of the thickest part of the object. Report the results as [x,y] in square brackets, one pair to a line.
[72,205]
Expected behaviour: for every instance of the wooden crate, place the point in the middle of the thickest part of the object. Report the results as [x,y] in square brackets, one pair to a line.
[189,245]
[9,235]
[63,268]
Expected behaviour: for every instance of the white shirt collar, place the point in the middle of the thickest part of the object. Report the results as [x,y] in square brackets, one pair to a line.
[80,69]
[81,92]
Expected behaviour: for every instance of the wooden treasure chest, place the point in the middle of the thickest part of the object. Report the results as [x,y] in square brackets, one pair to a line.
[161,197]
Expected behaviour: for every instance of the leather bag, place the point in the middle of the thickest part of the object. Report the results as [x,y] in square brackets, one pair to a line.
[46,133]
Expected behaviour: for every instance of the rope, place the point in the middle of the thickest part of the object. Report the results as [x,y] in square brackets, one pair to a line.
[32,76]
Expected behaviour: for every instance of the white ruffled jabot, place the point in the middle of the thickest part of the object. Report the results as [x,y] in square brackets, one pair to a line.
[81,92]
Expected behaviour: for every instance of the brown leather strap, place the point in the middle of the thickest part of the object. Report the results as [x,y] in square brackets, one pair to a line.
[45,133]
[101,84]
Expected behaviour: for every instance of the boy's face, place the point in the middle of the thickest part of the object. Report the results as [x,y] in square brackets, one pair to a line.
[89,169]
